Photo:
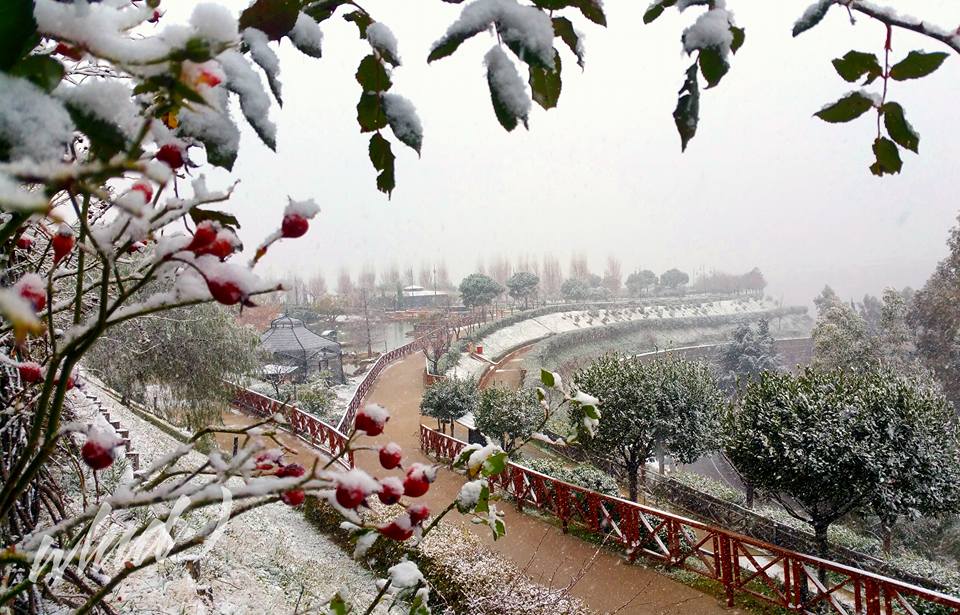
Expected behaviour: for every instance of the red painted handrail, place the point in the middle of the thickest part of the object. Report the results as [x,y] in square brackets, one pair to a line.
[742,565]
[310,428]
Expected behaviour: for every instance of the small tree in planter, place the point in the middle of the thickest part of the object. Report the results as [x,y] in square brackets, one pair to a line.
[449,399]
[508,416]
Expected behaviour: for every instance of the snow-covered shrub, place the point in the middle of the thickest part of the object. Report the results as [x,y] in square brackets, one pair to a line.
[583,474]
[717,489]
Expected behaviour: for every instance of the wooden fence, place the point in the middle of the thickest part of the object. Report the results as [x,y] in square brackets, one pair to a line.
[740,564]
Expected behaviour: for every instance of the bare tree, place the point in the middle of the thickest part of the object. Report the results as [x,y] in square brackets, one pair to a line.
[552,276]
[426,275]
[443,276]
[500,269]
[613,275]
[345,287]
[316,287]
[579,268]
[368,278]
[408,276]
[436,344]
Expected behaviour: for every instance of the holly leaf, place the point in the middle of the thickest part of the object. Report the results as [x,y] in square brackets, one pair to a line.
[888,157]
[275,18]
[687,114]
[372,75]
[324,9]
[593,10]
[563,28]
[917,64]
[18,31]
[199,215]
[362,20]
[106,138]
[812,16]
[848,108]
[856,64]
[545,85]
[713,65]
[370,114]
[494,464]
[656,10]
[899,128]
[381,155]
[43,71]
[739,38]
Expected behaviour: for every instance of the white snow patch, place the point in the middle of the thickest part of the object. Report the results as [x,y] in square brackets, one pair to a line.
[33,125]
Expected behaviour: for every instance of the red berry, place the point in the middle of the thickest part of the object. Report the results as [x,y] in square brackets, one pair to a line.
[135,247]
[294,225]
[62,243]
[294,497]
[372,419]
[418,479]
[36,296]
[391,490]
[399,529]
[171,155]
[227,293]
[350,496]
[71,380]
[145,189]
[209,78]
[24,242]
[30,371]
[155,17]
[96,455]
[221,248]
[292,469]
[418,513]
[204,235]
[69,51]
[390,455]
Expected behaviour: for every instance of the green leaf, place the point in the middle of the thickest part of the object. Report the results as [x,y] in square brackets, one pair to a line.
[372,75]
[917,64]
[483,502]
[593,10]
[382,158]
[337,605]
[563,28]
[370,114]
[106,138]
[848,108]
[275,18]
[739,37]
[499,529]
[888,157]
[43,71]
[813,16]
[18,31]
[591,411]
[687,114]
[199,215]
[899,128]
[713,65]
[656,9]
[324,9]
[856,64]
[494,464]
[541,394]
[362,20]
[547,378]
[545,85]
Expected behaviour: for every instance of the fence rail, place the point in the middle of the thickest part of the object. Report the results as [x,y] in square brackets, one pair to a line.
[741,565]
[311,429]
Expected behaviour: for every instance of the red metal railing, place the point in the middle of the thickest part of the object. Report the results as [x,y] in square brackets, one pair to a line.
[311,429]
[741,565]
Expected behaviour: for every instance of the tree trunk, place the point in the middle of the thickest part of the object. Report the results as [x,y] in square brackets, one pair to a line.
[632,483]
[823,548]
[660,457]
[750,494]
[886,532]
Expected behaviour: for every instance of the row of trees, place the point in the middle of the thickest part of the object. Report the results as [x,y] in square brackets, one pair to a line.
[824,443]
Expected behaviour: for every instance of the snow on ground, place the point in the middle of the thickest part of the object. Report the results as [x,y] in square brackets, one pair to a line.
[532,329]
[268,561]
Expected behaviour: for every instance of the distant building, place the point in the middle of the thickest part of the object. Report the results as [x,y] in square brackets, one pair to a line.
[298,352]
[416,297]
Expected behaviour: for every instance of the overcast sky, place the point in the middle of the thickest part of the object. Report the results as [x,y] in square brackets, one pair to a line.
[763,183]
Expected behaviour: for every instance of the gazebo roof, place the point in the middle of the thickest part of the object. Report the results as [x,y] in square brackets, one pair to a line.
[288,336]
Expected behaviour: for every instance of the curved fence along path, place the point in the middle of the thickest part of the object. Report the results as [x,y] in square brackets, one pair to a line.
[740,564]
[737,563]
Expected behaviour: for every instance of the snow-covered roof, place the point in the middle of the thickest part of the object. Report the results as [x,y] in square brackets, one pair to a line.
[272,369]
[424,293]
[290,338]
[467,421]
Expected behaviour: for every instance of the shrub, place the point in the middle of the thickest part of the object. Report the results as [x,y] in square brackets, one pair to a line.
[583,475]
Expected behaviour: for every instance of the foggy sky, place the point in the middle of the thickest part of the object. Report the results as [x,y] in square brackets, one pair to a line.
[763,183]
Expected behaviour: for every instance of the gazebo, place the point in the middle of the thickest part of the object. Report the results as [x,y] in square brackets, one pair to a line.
[293,345]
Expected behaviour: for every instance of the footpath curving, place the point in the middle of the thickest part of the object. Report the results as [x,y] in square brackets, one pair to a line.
[735,565]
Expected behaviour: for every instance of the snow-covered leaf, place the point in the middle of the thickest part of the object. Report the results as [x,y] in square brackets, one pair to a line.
[275,18]
[404,121]
[216,130]
[899,128]
[307,36]
[507,92]
[656,9]
[266,58]
[545,84]
[812,16]
[848,108]
[382,39]
[687,114]
[254,102]
[43,71]
[563,28]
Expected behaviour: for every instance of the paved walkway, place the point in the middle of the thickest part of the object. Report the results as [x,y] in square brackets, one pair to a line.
[549,556]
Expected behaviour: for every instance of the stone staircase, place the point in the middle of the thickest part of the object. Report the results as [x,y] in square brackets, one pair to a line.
[132,456]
